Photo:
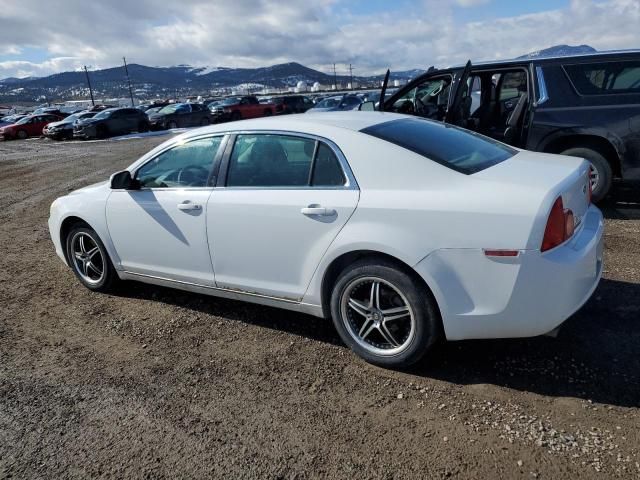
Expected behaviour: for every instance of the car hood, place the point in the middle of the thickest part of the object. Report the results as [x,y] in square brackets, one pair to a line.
[89,121]
[160,116]
[60,123]
[93,188]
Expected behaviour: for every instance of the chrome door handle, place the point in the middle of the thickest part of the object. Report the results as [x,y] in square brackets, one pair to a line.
[188,206]
[317,210]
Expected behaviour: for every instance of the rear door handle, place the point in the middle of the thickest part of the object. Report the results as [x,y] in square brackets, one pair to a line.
[187,206]
[317,210]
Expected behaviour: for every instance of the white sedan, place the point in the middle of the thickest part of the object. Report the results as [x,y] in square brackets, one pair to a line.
[403,230]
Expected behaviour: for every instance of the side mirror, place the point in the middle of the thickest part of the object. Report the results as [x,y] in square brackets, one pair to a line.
[123,181]
[367,107]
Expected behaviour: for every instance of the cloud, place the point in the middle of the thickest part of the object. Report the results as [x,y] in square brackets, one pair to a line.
[247,33]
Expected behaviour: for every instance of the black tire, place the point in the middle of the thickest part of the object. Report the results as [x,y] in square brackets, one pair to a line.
[22,134]
[109,278]
[236,116]
[171,125]
[268,113]
[205,121]
[602,168]
[426,323]
[143,127]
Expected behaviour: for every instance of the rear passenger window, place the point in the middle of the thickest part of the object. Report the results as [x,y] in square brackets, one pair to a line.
[605,78]
[327,171]
[270,161]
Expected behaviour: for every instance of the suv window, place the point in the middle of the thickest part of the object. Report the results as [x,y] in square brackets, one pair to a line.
[186,165]
[453,147]
[605,78]
[270,161]
[512,85]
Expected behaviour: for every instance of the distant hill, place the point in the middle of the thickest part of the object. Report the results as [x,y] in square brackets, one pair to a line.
[151,82]
[560,51]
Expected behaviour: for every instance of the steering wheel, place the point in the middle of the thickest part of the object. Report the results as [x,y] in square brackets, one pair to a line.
[192,174]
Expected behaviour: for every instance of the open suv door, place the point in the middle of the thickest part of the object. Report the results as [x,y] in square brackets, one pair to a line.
[437,95]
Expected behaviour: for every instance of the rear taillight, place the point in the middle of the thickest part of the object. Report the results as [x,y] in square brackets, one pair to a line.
[560,226]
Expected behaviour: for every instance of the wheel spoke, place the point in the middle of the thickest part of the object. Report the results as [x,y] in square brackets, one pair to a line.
[92,252]
[365,333]
[358,307]
[384,331]
[83,249]
[85,267]
[396,311]
[78,255]
[374,300]
[91,266]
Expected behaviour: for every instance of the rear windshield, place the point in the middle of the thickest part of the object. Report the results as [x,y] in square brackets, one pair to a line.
[463,151]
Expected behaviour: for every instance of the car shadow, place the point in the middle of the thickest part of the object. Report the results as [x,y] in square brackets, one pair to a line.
[594,357]
[623,203]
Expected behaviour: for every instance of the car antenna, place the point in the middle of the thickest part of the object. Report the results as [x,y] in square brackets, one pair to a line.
[383,91]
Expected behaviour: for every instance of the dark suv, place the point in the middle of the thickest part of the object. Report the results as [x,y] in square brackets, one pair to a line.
[110,122]
[586,106]
[291,104]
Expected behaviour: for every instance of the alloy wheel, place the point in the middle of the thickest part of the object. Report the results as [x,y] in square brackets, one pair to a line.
[594,177]
[88,260]
[378,316]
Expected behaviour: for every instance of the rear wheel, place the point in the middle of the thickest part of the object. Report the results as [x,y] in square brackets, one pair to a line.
[22,134]
[267,113]
[383,314]
[89,259]
[601,174]
[171,125]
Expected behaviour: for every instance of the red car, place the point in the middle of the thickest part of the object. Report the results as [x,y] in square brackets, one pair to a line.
[29,126]
[240,108]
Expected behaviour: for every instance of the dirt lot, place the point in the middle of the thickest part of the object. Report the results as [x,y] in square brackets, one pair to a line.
[158,383]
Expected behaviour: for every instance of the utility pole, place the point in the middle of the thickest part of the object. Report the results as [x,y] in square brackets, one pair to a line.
[351,75]
[89,83]
[126,70]
[335,79]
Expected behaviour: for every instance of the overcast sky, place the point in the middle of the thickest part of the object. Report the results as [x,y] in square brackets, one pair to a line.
[39,37]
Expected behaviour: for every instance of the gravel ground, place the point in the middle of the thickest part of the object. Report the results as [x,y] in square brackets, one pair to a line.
[162,384]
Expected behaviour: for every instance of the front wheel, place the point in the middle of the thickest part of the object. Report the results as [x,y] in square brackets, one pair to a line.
[384,315]
[22,134]
[600,174]
[89,260]
[172,125]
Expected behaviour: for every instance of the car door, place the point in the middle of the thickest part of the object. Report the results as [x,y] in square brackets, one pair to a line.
[280,202]
[460,98]
[160,229]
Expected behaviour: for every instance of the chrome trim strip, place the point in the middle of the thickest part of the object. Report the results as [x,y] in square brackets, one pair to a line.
[209,287]
[542,87]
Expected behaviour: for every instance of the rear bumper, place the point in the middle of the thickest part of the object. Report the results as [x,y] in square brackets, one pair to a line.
[524,296]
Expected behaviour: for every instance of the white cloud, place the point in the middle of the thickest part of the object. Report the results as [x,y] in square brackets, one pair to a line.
[246,33]
[471,3]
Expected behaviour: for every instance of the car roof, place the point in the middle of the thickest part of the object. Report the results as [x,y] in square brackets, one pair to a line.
[310,123]
[588,55]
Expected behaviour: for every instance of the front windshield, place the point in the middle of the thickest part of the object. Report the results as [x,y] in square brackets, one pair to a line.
[23,120]
[103,114]
[231,101]
[73,118]
[329,102]
[176,107]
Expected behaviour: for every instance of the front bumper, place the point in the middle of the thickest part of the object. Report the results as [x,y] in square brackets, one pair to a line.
[508,297]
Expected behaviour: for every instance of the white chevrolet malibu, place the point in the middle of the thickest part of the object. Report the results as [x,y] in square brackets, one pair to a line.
[402,230]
